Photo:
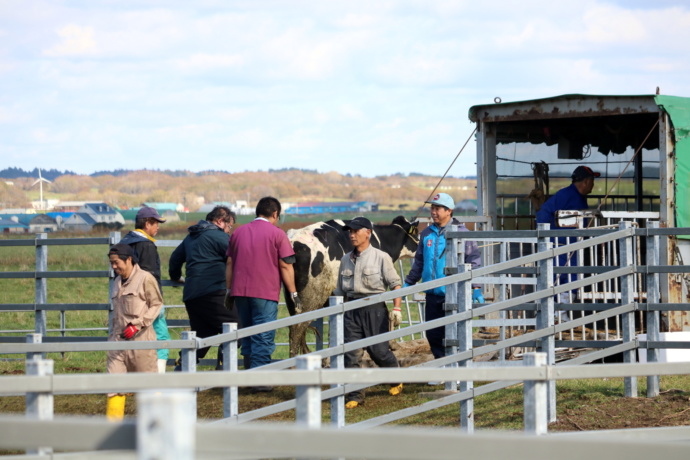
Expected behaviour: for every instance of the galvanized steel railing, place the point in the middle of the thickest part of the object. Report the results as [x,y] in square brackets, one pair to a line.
[459,321]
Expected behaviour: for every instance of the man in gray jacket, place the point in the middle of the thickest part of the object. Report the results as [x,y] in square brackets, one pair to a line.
[367,271]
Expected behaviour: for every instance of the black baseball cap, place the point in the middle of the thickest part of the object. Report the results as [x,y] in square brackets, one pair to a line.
[122,250]
[357,223]
[583,172]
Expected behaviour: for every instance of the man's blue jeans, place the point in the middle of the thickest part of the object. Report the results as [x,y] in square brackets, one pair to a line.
[253,311]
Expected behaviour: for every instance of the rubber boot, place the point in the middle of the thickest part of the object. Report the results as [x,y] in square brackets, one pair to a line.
[161,365]
[115,409]
[219,360]
[247,362]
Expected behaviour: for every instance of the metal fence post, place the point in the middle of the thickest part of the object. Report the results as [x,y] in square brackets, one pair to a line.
[114,239]
[39,406]
[628,296]
[464,333]
[502,291]
[535,398]
[405,301]
[188,355]
[230,394]
[454,246]
[308,397]
[166,425]
[545,314]
[336,338]
[41,284]
[34,338]
[652,317]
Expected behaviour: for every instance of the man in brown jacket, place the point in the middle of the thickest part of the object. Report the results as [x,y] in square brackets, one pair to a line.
[137,302]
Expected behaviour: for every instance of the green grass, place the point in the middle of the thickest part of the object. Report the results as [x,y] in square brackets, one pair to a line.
[92,290]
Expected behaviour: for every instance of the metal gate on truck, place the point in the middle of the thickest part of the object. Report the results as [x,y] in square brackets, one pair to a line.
[527,151]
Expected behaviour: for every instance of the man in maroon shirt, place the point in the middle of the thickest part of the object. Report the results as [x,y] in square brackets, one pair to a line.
[259,257]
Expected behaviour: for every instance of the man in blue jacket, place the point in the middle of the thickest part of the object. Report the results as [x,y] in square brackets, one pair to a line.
[203,252]
[570,198]
[430,261]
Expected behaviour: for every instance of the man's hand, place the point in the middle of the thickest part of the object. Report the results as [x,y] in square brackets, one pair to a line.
[477,296]
[395,317]
[229,300]
[297,301]
[129,332]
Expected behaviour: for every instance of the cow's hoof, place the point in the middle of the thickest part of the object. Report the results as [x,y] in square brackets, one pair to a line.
[396,390]
[351,404]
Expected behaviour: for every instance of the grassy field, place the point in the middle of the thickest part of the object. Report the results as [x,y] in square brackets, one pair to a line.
[582,404]
[88,290]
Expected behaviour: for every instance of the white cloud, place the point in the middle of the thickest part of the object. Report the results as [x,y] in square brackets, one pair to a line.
[209,62]
[274,83]
[351,112]
[75,41]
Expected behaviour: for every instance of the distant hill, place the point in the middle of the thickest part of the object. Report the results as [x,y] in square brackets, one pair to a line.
[126,189]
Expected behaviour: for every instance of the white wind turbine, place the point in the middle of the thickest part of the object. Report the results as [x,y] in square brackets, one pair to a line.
[40,181]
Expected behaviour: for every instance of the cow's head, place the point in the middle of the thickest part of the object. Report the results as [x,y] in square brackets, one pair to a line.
[411,240]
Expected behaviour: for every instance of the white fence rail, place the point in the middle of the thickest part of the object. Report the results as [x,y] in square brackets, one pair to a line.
[166,425]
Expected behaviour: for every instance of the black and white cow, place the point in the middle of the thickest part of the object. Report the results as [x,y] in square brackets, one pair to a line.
[318,250]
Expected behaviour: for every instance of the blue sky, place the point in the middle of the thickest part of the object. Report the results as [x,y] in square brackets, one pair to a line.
[361,87]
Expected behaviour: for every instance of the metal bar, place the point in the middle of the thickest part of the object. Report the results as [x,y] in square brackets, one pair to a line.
[535,398]
[65,383]
[308,397]
[54,242]
[41,284]
[464,334]
[545,317]
[336,339]
[454,258]
[230,356]
[54,306]
[33,338]
[39,405]
[627,296]
[652,317]
[61,274]
[166,425]
[404,443]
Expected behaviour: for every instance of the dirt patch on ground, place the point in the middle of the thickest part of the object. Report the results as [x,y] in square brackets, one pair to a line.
[579,410]
[670,408]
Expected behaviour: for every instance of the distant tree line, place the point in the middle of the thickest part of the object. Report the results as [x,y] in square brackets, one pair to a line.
[50,174]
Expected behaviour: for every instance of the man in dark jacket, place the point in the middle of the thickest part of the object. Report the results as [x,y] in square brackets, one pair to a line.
[203,252]
[142,240]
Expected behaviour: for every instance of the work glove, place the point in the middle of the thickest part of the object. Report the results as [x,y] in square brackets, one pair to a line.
[395,317]
[129,332]
[477,296]
[298,303]
[229,300]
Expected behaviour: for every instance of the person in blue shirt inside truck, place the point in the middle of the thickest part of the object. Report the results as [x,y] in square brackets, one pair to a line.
[570,198]
[430,261]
